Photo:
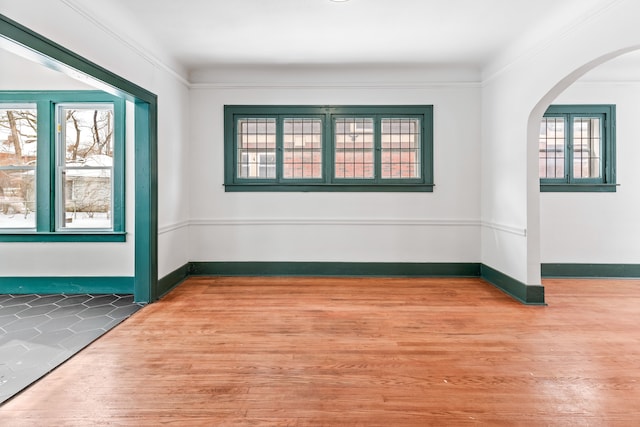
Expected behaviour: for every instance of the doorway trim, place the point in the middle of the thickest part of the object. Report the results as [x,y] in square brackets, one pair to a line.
[57,57]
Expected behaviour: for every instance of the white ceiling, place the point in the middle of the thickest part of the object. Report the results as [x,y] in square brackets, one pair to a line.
[200,34]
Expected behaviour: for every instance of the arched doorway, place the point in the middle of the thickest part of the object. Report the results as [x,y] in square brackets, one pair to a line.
[594,234]
[514,99]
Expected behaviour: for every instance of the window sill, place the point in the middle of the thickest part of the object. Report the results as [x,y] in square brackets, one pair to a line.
[578,188]
[364,188]
[79,236]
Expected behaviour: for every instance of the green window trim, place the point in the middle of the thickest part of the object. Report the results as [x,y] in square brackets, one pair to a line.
[46,229]
[606,181]
[271,176]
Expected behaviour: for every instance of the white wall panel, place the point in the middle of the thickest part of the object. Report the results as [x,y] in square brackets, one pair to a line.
[455,197]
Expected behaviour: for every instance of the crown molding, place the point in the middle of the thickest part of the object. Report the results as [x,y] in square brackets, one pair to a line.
[130,44]
[335,85]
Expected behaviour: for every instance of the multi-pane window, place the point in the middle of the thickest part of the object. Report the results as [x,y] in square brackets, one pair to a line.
[577,148]
[308,148]
[61,166]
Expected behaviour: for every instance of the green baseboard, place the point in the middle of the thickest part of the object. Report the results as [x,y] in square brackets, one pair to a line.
[591,270]
[531,295]
[356,269]
[173,279]
[67,285]
[526,294]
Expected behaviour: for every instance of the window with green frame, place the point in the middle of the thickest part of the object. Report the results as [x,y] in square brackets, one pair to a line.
[328,148]
[577,148]
[61,166]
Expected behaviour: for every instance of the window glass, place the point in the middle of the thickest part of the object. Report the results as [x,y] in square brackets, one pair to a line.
[302,148]
[354,148]
[586,147]
[400,148]
[552,147]
[85,166]
[256,148]
[18,154]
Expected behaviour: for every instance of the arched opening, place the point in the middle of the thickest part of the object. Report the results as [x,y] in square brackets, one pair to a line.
[588,234]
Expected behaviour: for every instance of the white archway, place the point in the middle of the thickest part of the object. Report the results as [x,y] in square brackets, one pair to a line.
[543,218]
[513,103]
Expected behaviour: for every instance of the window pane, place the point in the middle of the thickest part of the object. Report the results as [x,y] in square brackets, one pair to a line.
[302,148]
[87,198]
[400,148]
[88,135]
[586,147]
[18,152]
[85,175]
[552,143]
[256,145]
[354,148]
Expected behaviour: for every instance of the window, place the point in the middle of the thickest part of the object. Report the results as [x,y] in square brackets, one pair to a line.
[61,166]
[339,148]
[577,148]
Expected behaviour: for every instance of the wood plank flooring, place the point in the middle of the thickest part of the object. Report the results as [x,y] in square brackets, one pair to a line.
[355,352]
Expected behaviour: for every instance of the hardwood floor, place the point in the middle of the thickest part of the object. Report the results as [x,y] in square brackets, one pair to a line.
[355,352]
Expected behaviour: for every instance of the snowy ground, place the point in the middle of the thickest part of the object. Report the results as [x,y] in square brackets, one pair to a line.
[78,220]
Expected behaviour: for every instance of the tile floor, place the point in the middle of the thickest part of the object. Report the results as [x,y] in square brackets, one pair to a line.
[39,332]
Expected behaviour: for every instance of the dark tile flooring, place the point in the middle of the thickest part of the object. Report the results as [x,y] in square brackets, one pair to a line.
[39,332]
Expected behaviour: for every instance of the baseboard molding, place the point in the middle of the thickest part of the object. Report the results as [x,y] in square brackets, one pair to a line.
[356,269]
[67,285]
[531,295]
[526,294]
[591,270]
[173,279]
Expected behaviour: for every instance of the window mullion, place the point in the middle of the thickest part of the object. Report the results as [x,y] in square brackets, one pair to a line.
[117,168]
[279,148]
[59,170]
[604,156]
[45,166]
[329,148]
[426,171]
[568,157]
[377,149]
[604,149]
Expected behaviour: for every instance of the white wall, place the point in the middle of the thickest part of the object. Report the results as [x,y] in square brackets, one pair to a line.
[599,227]
[78,31]
[442,226]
